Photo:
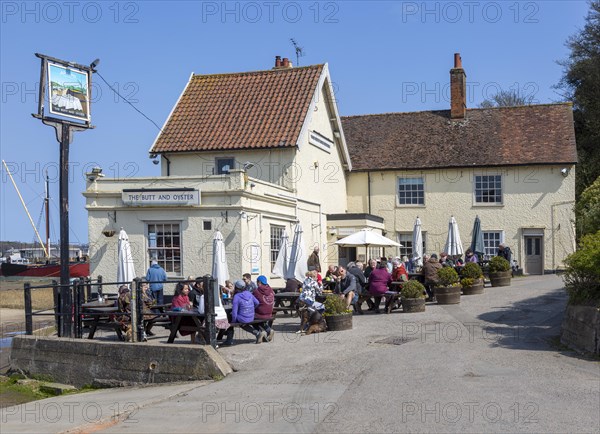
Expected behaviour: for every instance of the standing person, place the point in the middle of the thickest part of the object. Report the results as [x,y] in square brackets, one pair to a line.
[379,282]
[430,269]
[266,299]
[313,260]
[156,275]
[408,264]
[250,285]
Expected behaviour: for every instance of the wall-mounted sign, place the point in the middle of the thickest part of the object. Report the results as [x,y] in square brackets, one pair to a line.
[68,91]
[158,197]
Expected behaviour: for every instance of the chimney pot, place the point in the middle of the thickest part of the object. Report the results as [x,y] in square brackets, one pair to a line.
[277,61]
[457,60]
[286,62]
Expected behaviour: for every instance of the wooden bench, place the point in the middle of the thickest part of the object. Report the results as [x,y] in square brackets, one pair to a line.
[392,297]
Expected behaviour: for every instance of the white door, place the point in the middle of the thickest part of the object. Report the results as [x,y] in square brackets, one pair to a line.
[533,255]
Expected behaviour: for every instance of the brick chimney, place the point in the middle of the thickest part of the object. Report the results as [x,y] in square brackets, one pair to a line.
[458,89]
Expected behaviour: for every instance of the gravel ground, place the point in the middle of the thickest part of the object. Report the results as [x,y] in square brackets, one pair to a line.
[489,364]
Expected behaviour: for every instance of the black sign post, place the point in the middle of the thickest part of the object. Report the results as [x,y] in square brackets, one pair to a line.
[64,134]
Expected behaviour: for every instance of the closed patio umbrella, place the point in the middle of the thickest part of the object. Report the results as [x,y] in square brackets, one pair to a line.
[125,267]
[297,267]
[453,243]
[283,257]
[220,271]
[417,243]
[477,245]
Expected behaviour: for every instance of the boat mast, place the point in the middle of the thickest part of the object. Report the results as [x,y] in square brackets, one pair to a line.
[25,206]
[47,206]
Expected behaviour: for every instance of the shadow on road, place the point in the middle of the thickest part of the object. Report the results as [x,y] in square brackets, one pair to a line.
[531,324]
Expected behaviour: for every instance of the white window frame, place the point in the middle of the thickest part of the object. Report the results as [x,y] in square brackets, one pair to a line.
[486,243]
[403,242]
[403,205]
[320,141]
[217,159]
[475,202]
[167,264]
[274,252]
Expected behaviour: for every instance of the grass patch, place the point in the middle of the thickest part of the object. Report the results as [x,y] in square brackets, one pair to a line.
[42,298]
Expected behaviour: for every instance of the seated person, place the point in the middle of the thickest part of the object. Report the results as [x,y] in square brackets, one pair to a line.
[331,278]
[470,256]
[148,301]
[293,285]
[399,273]
[197,295]
[379,282]
[124,304]
[310,288]
[181,302]
[348,286]
[250,285]
[445,260]
[266,299]
[242,312]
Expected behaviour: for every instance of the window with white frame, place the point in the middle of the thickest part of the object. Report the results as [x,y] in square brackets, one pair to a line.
[276,234]
[406,239]
[411,191]
[224,165]
[488,189]
[164,246]
[491,239]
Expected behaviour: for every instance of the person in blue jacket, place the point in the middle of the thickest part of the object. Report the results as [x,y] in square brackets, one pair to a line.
[156,275]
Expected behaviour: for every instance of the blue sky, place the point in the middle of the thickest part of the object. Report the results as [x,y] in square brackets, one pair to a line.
[383,57]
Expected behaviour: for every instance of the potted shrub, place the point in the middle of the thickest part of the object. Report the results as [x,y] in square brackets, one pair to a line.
[499,271]
[413,296]
[447,290]
[472,279]
[337,316]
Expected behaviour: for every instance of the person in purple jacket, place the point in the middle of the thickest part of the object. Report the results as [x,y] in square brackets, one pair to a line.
[242,312]
[379,282]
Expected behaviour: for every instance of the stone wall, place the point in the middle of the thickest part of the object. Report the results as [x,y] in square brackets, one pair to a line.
[81,361]
[581,329]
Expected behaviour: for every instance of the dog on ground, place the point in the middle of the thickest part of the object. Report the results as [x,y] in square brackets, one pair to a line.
[312,317]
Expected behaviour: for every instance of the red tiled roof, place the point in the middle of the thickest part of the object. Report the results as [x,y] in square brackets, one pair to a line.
[536,134]
[263,109]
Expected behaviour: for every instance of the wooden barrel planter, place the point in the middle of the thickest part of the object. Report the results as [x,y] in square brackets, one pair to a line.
[501,278]
[336,323]
[473,289]
[412,305]
[447,294]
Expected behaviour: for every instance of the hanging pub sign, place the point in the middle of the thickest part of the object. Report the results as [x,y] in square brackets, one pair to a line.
[65,88]
[68,92]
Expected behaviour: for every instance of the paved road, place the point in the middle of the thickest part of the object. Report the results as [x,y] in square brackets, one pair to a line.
[486,365]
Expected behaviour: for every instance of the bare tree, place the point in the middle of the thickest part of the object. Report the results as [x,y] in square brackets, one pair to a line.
[508,98]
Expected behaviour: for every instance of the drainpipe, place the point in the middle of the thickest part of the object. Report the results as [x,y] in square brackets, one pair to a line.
[168,164]
[369,190]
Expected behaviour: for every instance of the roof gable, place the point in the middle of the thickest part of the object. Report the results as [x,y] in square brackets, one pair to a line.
[536,134]
[250,110]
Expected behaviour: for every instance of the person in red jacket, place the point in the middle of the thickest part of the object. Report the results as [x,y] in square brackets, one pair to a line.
[266,299]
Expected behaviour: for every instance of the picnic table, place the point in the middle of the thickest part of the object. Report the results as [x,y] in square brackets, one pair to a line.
[103,317]
[178,325]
